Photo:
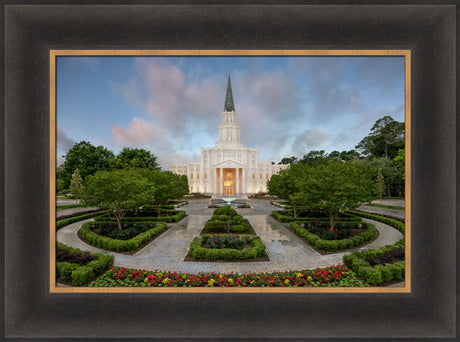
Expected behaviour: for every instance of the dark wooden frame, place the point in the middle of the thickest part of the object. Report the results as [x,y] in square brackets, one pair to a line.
[31,311]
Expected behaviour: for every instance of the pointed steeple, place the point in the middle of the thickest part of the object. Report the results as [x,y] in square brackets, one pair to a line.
[229,106]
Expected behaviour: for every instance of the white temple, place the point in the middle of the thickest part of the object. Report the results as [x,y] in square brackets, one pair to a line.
[229,168]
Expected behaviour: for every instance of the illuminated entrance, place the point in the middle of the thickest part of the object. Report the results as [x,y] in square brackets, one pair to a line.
[229,184]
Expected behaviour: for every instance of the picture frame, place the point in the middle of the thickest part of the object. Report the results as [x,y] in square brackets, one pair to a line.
[31,310]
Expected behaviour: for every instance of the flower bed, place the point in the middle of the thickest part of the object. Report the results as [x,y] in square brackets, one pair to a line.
[335,245]
[79,267]
[255,249]
[333,276]
[87,233]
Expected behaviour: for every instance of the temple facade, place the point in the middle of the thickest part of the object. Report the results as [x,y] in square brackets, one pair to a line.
[229,168]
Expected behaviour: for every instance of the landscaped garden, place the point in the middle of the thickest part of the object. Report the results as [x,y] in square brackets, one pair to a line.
[227,236]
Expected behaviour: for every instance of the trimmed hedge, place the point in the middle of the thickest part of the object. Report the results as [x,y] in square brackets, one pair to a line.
[198,252]
[81,274]
[178,215]
[335,245]
[120,245]
[279,216]
[67,221]
[379,273]
[391,222]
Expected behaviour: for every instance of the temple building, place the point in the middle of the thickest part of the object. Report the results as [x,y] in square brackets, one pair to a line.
[229,168]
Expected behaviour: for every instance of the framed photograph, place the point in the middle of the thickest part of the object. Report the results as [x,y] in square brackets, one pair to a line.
[141,87]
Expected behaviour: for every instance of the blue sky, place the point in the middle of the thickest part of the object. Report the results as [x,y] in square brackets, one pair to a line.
[171,106]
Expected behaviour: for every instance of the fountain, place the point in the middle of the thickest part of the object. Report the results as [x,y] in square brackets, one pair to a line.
[231,201]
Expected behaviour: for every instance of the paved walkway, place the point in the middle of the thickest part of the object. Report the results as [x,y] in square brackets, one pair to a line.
[284,249]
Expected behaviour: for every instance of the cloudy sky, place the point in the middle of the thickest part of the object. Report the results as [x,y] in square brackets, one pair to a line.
[171,106]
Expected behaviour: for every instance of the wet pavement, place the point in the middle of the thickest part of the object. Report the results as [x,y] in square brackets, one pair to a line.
[385,211]
[285,250]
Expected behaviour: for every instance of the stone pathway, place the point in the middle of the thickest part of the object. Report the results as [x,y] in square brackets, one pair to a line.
[284,249]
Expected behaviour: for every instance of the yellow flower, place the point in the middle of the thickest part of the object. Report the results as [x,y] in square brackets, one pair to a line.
[211,282]
[159,274]
[286,281]
[146,279]
[309,278]
[299,275]
[184,276]
[230,281]
[165,280]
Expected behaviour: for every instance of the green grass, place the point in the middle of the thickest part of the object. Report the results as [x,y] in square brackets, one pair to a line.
[385,206]
[70,206]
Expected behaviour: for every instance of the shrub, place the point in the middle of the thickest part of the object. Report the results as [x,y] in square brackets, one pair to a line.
[82,275]
[64,270]
[70,220]
[120,245]
[225,210]
[371,275]
[199,252]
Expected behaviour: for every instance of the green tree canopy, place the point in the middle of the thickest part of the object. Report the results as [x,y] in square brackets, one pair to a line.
[167,186]
[135,158]
[87,159]
[384,140]
[76,184]
[291,160]
[118,190]
[335,186]
[393,176]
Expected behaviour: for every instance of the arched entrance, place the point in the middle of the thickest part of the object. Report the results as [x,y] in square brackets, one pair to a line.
[229,183]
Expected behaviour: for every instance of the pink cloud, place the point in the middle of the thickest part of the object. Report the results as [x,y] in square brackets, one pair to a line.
[139,133]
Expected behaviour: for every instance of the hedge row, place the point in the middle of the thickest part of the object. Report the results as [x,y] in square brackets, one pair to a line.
[278,215]
[67,221]
[379,273]
[81,274]
[336,245]
[120,245]
[198,252]
[178,215]
[391,222]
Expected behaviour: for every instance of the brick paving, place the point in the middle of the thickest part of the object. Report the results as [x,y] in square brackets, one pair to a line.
[284,249]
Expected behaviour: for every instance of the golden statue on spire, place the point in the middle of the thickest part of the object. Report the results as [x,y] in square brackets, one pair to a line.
[228,72]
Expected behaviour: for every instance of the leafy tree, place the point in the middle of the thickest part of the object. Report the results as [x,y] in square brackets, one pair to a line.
[380,185]
[118,190]
[87,159]
[393,176]
[385,139]
[314,157]
[292,160]
[167,186]
[135,158]
[400,161]
[335,186]
[76,184]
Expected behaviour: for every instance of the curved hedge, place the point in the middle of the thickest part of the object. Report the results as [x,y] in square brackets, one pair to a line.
[278,215]
[120,245]
[336,245]
[178,215]
[379,273]
[198,252]
[391,222]
[64,222]
[81,274]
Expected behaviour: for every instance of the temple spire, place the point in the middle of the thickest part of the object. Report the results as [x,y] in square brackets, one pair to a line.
[229,106]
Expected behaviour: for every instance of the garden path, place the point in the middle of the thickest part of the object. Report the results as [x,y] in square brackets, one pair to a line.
[285,250]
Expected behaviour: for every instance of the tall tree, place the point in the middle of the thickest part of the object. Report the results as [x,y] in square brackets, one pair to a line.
[336,186]
[76,184]
[135,158]
[87,159]
[168,186]
[291,160]
[384,140]
[393,176]
[380,185]
[314,157]
[118,191]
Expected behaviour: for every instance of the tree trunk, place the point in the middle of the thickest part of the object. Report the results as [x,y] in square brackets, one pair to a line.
[159,210]
[295,209]
[119,223]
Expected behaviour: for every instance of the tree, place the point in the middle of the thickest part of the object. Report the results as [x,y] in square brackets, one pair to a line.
[286,185]
[135,158]
[400,161]
[335,186]
[291,161]
[87,159]
[385,139]
[314,157]
[393,176]
[118,190]
[76,184]
[380,185]
[167,186]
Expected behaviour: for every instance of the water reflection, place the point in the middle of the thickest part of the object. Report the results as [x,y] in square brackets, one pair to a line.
[267,229]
